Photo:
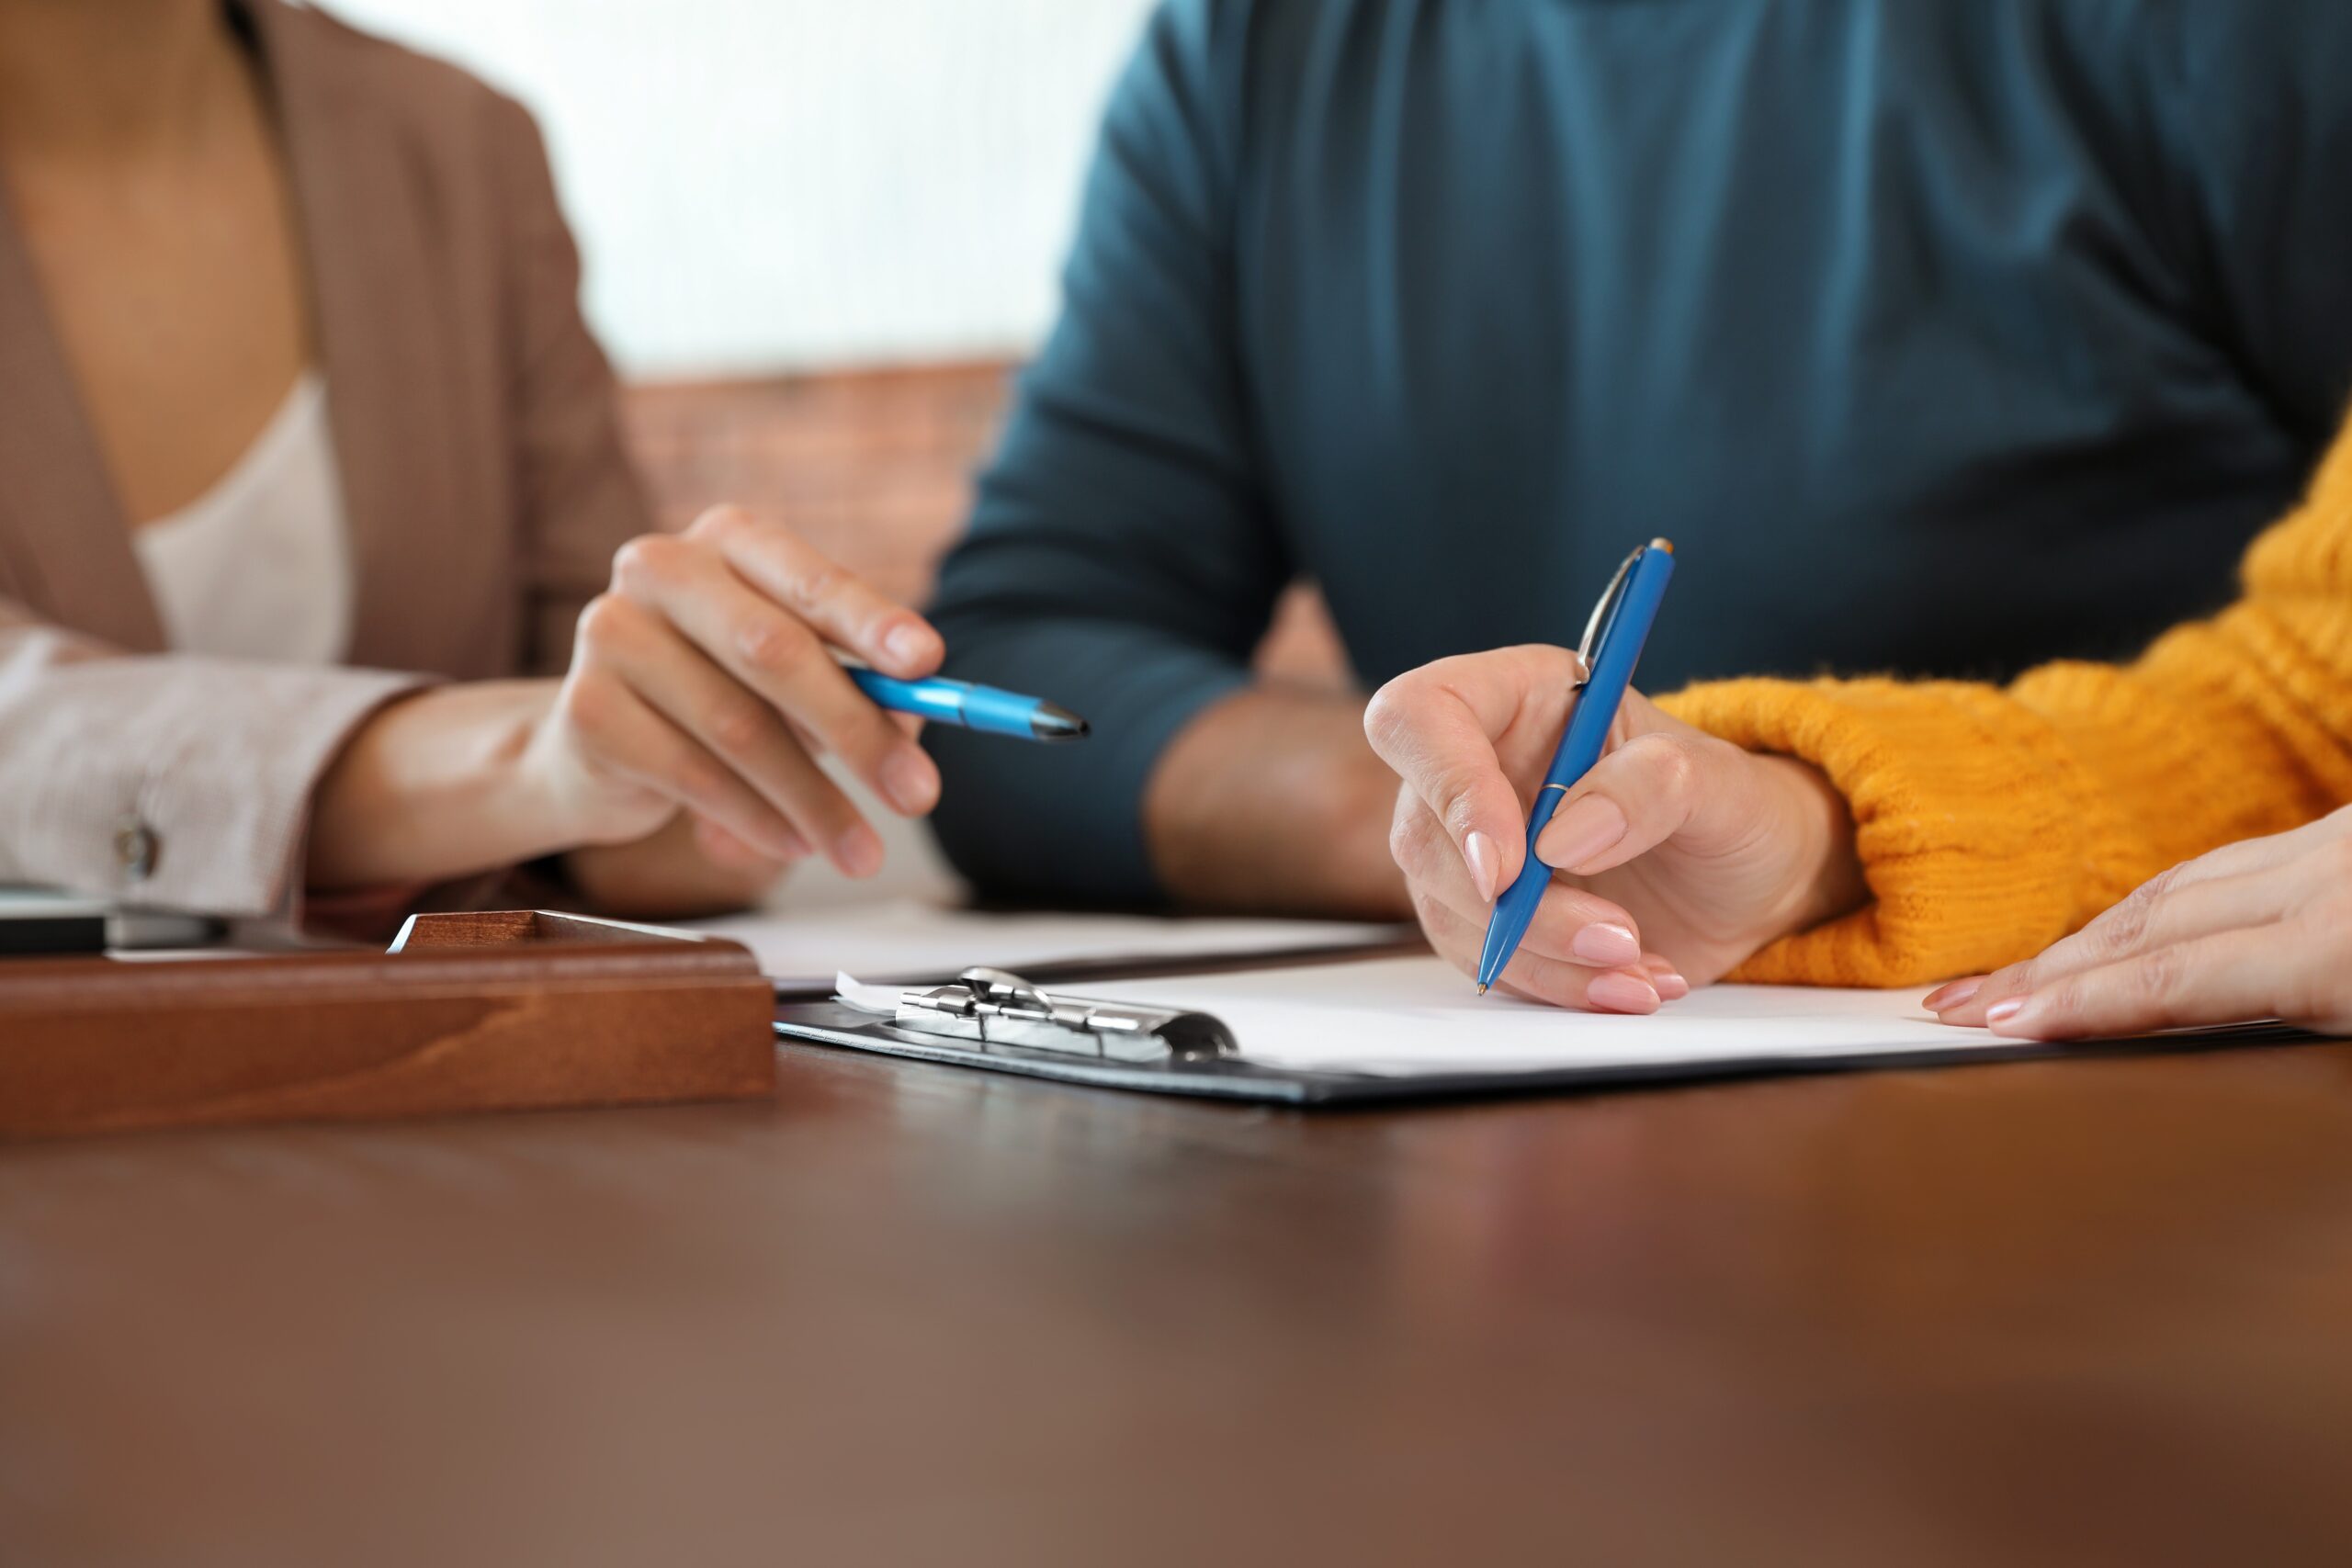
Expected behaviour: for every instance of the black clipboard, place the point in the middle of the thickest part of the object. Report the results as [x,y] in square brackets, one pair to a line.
[1231,1076]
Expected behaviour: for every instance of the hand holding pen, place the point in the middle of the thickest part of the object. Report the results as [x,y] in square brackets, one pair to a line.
[705,679]
[1674,858]
[675,765]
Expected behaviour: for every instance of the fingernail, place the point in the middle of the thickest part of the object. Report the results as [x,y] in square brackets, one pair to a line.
[1620,993]
[1671,987]
[2002,1012]
[909,644]
[1604,943]
[1586,829]
[792,846]
[858,853]
[1479,851]
[1943,999]
[908,781]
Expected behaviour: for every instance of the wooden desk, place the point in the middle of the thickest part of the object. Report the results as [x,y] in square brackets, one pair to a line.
[2082,1314]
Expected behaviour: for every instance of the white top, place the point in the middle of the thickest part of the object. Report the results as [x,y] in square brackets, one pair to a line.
[259,566]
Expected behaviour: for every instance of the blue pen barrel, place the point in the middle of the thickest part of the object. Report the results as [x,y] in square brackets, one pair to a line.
[982,708]
[1616,651]
[1515,910]
[1613,672]
[938,701]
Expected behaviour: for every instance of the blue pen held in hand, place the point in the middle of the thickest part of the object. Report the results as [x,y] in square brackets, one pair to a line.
[1612,645]
[982,708]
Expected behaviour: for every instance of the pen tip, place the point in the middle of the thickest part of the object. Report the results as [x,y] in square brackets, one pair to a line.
[1055,722]
[1050,721]
[1482,989]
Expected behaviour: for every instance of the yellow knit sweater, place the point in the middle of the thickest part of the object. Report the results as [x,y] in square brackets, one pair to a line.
[1991,821]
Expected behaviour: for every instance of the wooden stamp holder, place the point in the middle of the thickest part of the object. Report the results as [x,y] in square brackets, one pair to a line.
[506,1011]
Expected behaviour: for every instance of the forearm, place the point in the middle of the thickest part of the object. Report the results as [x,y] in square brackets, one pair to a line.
[435,785]
[1272,800]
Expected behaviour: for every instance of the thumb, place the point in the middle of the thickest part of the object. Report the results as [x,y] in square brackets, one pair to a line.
[1459,732]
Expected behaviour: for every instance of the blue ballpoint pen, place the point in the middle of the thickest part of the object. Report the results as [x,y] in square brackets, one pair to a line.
[1612,645]
[982,708]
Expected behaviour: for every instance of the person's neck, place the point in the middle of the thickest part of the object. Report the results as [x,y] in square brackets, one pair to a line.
[83,78]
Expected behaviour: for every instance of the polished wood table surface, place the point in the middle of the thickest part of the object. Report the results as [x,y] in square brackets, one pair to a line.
[2085,1312]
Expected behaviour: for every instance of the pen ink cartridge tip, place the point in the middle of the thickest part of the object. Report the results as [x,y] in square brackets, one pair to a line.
[1482,990]
[1049,721]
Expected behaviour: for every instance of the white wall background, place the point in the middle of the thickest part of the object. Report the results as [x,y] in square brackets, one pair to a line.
[763,185]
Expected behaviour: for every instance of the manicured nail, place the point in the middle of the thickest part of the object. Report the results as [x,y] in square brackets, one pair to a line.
[1479,851]
[858,853]
[909,782]
[911,643]
[1943,999]
[2000,1013]
[1671,987]
[1620,993]
[1605,943]
[1583,830]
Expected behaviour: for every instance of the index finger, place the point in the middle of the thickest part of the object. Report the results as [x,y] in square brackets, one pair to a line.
[839,605]
[1440,728]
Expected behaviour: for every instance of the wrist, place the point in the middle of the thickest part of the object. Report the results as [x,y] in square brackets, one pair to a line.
[439,784]
[499,737]
[1829,882]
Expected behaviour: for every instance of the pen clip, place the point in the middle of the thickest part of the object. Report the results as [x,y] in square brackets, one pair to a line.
[1603,615]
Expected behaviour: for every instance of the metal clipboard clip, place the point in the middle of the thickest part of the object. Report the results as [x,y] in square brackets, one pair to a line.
[991,1008]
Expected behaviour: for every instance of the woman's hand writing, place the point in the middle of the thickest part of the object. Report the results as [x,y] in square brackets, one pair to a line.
[1678,856]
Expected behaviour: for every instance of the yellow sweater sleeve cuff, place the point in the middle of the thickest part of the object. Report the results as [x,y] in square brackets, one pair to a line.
[1981,840]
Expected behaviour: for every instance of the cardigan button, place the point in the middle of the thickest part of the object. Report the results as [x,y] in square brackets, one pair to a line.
[135,849]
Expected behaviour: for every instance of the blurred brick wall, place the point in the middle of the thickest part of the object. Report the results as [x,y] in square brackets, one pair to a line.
[873,466]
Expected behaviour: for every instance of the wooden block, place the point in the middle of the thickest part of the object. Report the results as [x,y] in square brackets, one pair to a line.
[497,1012]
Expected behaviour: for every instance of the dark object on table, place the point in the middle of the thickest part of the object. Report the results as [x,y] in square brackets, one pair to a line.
[37,925]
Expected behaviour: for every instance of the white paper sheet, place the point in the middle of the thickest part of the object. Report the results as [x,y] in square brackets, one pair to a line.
[1419,1015]
[904,942]
[866,996]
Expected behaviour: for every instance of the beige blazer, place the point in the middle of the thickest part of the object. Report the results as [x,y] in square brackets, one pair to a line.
[476,428]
